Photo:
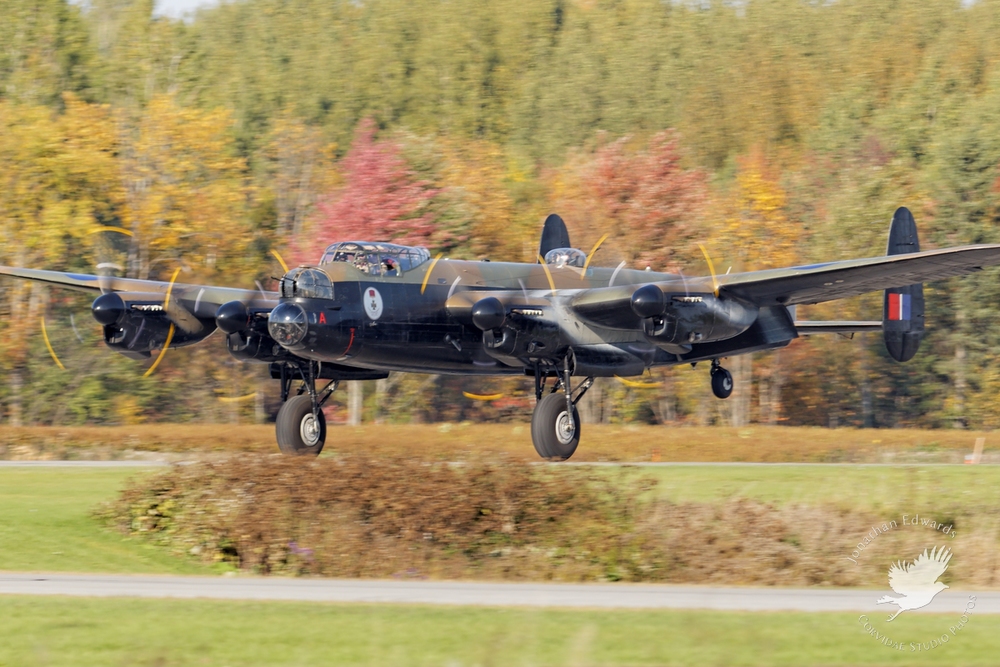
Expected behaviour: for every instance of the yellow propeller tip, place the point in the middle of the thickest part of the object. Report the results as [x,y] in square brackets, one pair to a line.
[482,397]
[52,352]
[430,269]
[159,358]
[277,256]
[638,385]
[237,399]
[711,269]
[548,274]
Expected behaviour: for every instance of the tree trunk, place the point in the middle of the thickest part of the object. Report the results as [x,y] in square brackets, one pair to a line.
[355,401]
[381,389]
[742,370]
[590,405]
[774,389]
[258,407]
[960,420]
[959,402]
[666,402]
[867,413]
[16,403]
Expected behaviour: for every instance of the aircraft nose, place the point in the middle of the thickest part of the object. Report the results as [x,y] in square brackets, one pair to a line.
[288,324]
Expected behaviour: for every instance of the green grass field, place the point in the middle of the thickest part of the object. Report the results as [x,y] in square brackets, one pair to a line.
[46,524]
[63,631]
[875,488]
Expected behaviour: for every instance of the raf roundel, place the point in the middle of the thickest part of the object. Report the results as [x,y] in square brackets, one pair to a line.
[373,303]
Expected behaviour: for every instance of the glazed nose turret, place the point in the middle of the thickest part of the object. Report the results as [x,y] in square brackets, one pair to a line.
[288,324]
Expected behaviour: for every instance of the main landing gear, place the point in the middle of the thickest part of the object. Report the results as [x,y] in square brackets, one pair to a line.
[722,380]
[301,426]
[555,423]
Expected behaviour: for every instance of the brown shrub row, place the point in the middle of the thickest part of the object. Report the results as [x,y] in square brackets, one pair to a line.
[356,516]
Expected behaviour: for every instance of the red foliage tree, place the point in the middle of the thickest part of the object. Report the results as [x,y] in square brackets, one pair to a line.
[649,198]
[382,198]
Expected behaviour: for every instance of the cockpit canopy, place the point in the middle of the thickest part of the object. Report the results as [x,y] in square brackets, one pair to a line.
[376,259]
[560,257]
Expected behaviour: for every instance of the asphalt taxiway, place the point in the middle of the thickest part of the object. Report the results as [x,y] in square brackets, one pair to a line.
[606,596]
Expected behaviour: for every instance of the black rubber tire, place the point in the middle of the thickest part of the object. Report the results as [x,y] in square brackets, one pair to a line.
[722,382]
[292,426]
[548,413]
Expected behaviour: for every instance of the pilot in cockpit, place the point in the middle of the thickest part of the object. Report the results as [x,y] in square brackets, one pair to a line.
[389,267]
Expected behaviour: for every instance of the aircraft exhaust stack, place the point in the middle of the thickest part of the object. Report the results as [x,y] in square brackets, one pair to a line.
[903,307]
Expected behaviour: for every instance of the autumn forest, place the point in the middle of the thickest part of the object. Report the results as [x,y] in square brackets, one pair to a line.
[774,132]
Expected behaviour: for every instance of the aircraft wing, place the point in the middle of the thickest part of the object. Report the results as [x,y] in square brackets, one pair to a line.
[200,300]
[796,285]
[838,280]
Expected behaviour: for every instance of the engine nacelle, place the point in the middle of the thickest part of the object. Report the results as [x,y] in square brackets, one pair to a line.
[528,332]
[137,334]
[135,324]
[698,318]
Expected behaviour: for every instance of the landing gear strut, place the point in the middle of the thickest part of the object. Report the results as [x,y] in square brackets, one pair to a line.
[301,426]
[555,423]
[722,380]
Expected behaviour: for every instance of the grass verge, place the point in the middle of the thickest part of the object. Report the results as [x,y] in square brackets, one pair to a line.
[87,631]
[46,524]
[882,489]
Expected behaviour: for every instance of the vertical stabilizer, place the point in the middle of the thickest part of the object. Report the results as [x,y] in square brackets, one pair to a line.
[554,235]
[903,307]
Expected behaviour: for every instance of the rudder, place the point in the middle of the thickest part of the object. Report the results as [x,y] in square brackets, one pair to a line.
[903,307]
[554,235]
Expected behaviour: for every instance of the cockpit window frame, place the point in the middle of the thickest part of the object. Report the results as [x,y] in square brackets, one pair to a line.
[376,259]
[566,257]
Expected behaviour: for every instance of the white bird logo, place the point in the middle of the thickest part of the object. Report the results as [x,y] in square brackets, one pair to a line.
[917,582]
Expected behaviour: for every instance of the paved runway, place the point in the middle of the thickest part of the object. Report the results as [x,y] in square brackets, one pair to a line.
[606,596]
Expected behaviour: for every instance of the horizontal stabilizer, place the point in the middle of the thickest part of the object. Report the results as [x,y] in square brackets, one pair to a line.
[806,328]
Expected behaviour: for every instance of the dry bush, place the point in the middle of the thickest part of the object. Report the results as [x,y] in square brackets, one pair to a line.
[355,516]
[360,517]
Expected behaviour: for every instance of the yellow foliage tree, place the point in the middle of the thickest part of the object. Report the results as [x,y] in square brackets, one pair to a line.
[186,191]
[757,233]
[57,177]
[298,162]
[478,174]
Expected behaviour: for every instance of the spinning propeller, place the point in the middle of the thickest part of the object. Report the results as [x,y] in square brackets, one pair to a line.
[110,307]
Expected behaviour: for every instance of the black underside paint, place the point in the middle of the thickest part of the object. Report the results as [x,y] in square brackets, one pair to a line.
[413,332]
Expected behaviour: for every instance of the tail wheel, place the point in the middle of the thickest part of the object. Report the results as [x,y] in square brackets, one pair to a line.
[554,435]
[722,382]
[299,431]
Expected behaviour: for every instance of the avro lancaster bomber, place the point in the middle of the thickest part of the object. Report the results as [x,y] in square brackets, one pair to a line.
[367,309]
